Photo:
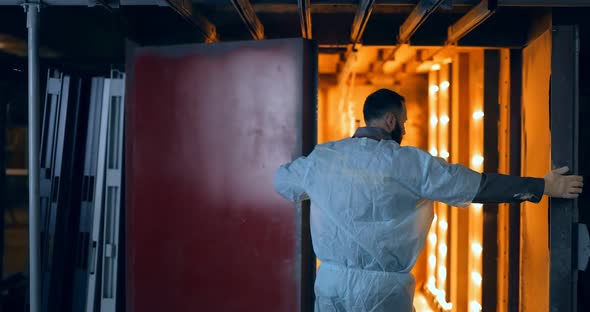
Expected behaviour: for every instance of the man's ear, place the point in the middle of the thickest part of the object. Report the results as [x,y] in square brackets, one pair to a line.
[391,120]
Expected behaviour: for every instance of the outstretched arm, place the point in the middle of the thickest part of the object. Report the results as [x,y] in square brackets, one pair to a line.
[452,184]
[498,188]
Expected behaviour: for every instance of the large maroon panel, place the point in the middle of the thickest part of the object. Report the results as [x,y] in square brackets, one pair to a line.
[207,126]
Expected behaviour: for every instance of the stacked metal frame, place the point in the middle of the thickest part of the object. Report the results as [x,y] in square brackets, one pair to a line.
[61,176]
[81,191]
[113,118]
[53,101]
[85,248]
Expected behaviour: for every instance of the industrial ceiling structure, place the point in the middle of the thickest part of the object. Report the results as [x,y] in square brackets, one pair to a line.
[396,36]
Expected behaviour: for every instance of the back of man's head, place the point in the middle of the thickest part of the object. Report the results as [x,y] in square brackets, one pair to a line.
[381,102]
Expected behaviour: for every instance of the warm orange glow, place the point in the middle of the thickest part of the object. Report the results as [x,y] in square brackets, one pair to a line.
[444,225]
[433,121]
[476,277]
[478,115]
[432,238]
[477,249]
[421,304]
[435,67]
[477,160]
[432,261]
[439,295]
[442,273]
[442,249]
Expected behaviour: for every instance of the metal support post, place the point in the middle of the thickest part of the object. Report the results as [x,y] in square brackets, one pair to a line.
[32,8]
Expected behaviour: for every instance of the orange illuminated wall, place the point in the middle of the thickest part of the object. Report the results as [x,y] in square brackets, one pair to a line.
[459,217]
[340,114]
[504,168]
[456,134]
[476,128]
[437,246]
[536,162]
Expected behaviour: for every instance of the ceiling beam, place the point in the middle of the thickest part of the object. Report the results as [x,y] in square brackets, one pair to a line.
[544,3]
[201,23]
[475,17]
[361,18]
[418,16]
[248,15]
[305,18]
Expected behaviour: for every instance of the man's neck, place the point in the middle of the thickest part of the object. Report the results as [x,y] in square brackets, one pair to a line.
[376,133]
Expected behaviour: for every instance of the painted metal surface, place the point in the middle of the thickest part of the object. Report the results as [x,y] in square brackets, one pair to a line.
[33,156]
[515,160]
[491,164]
[563,214]
[206,127]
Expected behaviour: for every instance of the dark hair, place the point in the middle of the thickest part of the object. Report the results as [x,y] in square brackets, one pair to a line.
[381,102]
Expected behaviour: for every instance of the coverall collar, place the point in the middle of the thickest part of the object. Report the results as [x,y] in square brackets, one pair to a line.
[372,133]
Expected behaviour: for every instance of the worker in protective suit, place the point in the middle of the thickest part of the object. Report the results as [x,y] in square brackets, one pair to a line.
[368,221]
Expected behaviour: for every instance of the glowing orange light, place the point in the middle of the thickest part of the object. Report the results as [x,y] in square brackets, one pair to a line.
[476,277]
[442,249]
[477,160]
[433,121]
[477,249]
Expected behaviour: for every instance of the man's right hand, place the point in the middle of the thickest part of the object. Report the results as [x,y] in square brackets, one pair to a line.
[560,186]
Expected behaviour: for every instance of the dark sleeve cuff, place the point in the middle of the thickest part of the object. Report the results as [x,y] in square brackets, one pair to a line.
[499,188]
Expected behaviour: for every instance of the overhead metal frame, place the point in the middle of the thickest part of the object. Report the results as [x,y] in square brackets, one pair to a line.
[475,17]
[419,14]
[305,18]
[361,18]
[201,23]
[248,15]
[205,28]
[543,3]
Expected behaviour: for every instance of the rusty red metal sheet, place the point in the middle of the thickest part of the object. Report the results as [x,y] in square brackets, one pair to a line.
[207,126]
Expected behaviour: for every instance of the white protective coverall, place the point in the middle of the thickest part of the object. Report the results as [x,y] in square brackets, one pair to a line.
[369,219]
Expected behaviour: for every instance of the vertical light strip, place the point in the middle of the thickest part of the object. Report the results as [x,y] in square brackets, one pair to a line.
[476,210]
[442,209]
[437,245]
[431,243]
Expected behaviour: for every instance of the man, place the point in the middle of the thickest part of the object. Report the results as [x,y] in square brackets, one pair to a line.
[368,224]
